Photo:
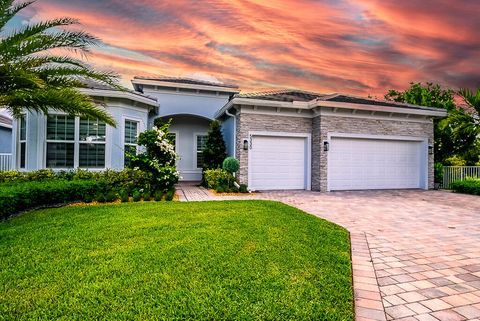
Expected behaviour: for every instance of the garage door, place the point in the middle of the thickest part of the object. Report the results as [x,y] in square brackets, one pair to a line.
[355,164]
[277,163]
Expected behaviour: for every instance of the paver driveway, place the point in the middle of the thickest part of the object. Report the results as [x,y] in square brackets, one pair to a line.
[425,248]
[416,254]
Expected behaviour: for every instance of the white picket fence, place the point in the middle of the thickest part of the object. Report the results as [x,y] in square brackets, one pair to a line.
[6,162]
[458,173]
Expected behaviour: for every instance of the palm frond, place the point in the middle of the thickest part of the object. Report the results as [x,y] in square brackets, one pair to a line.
[472,99]
[8,10]
[15,47]
[68,100]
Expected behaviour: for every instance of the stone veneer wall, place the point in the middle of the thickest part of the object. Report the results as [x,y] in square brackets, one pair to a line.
[335,124]
[271,123]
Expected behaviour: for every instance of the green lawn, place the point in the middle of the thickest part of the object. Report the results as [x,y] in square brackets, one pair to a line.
[242,260]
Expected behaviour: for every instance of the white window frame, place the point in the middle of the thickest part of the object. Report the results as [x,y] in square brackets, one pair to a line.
[76,145]
[137,147]
[195,148]
[80,142]
[22,141]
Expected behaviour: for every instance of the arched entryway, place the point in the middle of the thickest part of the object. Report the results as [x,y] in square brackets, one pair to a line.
[190,133]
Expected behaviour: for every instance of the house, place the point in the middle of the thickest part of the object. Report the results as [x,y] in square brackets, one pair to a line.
[287,139]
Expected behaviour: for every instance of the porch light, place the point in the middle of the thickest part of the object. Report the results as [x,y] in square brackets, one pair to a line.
[430,149]
[326,146]
[245,144]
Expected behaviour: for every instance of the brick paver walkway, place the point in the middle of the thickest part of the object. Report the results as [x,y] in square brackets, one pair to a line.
[415,254]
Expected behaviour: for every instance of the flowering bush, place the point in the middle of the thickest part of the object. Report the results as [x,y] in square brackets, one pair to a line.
[158,159]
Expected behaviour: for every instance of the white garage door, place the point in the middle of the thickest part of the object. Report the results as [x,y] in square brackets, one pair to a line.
[277,163]
[355,164]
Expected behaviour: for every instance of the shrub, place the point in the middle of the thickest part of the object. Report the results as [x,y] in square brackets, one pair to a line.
[215,151]
[128,179]
[158,195]
[220,189]
[18,197]
[170,194]
[111,197]
[455,161]
[124,196]
[137,196]
[100,197]
[231,164]
[438,173]
[158,160]
[147,195]
[217,177]
[243,188]
[467,186]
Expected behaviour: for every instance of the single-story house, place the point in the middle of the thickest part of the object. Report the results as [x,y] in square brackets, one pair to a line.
[286,139]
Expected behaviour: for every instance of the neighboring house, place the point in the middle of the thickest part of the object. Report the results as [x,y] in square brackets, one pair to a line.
[283,139]
[5,134]
[61,142]
[191,104]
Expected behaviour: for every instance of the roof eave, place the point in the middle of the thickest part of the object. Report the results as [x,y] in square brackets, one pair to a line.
[119,94]
[417,110]
[168,84]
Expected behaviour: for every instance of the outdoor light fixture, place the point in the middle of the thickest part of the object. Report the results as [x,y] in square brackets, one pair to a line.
[430,149]
[245,144]
[326,146]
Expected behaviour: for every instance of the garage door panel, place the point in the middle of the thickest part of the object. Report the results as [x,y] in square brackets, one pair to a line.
[277,163]
[374,164]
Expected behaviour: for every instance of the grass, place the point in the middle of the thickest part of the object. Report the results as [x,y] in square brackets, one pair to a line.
[236,260]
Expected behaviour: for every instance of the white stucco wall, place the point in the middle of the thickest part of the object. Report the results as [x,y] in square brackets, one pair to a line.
[203,104]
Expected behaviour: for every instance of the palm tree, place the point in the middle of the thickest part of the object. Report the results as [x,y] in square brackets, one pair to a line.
[35,77]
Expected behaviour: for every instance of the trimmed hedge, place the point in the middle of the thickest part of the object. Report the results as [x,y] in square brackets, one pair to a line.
[18,197]
[128,179]
[467,186]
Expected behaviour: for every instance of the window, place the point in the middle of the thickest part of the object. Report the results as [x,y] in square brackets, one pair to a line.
[200,143]
[131,133]
[60,141]
[23,141]
[92,143]
[75,142]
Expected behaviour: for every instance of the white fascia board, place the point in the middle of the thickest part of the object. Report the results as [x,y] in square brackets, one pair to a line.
[119,94]
[181,85]
[262,103]
[398,110]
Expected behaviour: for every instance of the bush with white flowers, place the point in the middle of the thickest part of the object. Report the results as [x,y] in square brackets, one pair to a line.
[158,158]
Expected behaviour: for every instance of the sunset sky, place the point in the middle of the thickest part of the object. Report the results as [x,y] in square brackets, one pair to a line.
[358,47]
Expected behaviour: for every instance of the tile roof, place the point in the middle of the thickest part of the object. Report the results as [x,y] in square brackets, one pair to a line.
[183,80]
[288,95]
